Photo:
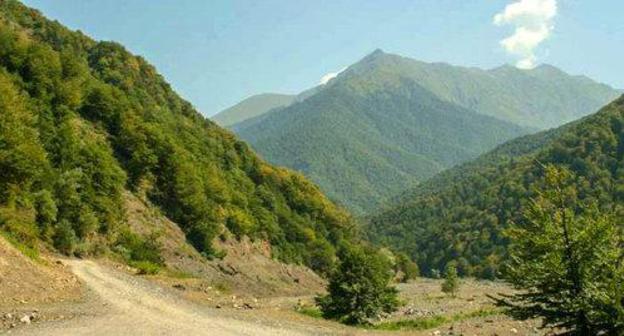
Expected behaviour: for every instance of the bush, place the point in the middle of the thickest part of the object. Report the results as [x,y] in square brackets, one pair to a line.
[145,267]
[408,269]
[139,252]
[64,238]
[358,288]
[451,281]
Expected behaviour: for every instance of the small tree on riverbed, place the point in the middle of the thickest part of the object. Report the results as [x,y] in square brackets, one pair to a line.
[566,258]
[451,280]
[359,287]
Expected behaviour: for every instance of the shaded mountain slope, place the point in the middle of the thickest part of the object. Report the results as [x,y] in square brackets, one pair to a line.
[383,125]
[364,138]
[540,98]
[252,107]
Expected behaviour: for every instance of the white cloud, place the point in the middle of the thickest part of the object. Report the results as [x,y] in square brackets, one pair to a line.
[326,78]
[533,21]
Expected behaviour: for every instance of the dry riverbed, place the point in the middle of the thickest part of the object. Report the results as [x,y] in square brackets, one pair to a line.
[116,302]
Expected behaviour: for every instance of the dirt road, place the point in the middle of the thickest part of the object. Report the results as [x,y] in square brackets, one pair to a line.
[129,305]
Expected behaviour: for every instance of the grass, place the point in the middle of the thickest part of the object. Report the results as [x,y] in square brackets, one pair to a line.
[178,274]
[145,267]
[313,312]
[425,323]
[26,250]
[222,287]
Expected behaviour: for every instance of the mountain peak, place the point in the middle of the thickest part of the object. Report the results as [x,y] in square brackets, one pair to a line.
[377,52]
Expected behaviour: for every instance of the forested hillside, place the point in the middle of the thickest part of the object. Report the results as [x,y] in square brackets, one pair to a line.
[388,123]
[365,138]
[459,215]
[80,121]
[539,98]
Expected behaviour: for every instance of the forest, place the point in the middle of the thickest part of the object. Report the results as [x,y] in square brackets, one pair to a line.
[88,120]
[460,215]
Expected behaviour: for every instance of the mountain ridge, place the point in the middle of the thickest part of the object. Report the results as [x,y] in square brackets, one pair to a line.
[378,76]
[460,214]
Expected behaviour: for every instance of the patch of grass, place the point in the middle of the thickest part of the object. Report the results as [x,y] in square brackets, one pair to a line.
[222,287]
[29,251]
[178,274]
[145,267]
[313,312]
[425,323]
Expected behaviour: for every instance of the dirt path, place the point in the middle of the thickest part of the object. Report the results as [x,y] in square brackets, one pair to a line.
[132,306]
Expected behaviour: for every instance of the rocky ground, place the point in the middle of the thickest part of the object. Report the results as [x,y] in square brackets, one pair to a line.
[245,293]
[113,301]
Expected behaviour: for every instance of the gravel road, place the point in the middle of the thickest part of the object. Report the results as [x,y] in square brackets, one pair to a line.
[128,305]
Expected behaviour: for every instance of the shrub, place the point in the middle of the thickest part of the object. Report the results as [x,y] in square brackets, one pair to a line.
[139,252]
[451,281]
[408,269]
[64,238]
[358,288]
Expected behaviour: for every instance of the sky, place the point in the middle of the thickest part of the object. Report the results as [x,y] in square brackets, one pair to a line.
[216,53]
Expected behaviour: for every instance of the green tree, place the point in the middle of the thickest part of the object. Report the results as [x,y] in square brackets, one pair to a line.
[65,238]
[359,287]
[407,268]
[451,280]
[566,258]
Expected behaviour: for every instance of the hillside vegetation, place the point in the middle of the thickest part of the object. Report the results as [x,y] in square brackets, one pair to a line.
[81,121]
[364,138]
[459,215]
[539,98]
[388,123]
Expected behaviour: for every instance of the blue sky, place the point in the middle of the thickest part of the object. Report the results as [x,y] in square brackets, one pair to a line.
[217,52]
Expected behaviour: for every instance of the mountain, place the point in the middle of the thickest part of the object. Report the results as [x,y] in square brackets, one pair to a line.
[388,122]
[365,137]
[540,98]
[459,214]
[84,122]
[252,107]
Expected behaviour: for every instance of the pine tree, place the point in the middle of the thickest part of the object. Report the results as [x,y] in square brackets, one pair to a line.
[565,259]
[451,281]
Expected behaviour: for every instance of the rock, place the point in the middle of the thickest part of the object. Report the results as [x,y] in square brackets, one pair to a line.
[25,319]
[513,330]
[247,306]
[436,333]
[179,287]
[218,306]
[8,316]
[13,325]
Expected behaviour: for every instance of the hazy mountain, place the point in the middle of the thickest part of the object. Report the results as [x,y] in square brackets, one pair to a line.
[540,98]
[367,135]
[252,107]
[395,121]
[459,214]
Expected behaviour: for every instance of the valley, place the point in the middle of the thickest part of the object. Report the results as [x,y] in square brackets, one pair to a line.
[115,301]
[393,197]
